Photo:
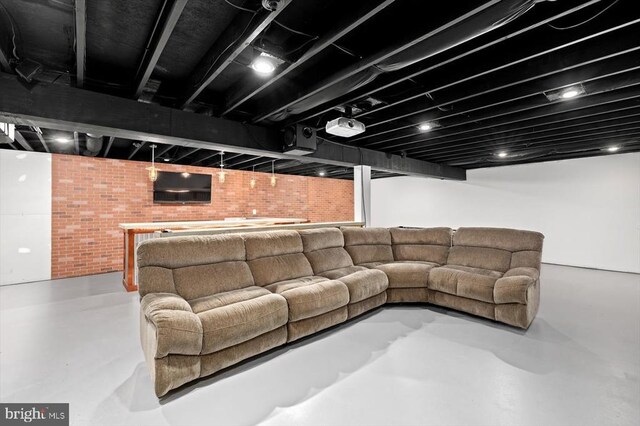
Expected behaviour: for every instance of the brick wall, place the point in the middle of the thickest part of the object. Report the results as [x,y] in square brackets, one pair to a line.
[91,196]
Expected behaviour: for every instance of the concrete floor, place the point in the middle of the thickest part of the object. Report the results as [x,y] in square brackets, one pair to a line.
[76,341]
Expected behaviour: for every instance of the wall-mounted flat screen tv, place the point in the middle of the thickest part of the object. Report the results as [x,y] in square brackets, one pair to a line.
[182,188]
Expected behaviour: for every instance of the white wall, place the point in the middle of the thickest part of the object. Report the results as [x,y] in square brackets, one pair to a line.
[588,209]
[25,216]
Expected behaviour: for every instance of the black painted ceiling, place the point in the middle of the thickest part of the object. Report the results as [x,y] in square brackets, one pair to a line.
[483,96]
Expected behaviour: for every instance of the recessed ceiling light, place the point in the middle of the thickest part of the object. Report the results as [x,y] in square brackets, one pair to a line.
[166,160]
[502,154]
[185,174]
[571,93]
[424,127]
[62,140]
[264,64]
[613,148]
[24,250]
[565,93]
[322,173]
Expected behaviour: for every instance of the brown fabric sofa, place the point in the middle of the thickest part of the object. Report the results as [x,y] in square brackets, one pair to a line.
[208,302]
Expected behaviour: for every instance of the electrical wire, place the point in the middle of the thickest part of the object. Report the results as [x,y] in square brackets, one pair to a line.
[13,31]
[584,22]
[239,7]
[292,30]
[204,76]
[300,47]
[312,37]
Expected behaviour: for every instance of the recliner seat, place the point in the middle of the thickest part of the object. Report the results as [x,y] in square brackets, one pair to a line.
[324,248]
[209,302]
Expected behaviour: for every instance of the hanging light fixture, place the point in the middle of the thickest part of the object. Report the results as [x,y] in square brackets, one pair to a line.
[153,172]
[252,182]
[221,173]
[273,176]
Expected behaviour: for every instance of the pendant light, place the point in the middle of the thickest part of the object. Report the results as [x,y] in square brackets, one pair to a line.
[153,172]
[252,182]
[221,173]
[273,176]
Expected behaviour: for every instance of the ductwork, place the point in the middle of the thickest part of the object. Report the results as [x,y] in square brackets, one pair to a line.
[467,28]
[94,145]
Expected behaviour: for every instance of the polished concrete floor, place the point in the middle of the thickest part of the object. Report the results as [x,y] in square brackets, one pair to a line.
[76,341]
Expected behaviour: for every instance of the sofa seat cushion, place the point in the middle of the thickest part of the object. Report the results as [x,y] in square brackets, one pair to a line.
[372,265]
[423,262]
[238,322]
[479,271]
[471,284]
[406,274]
[365,284]
[285,285]
[337,273]
[311,298]
[218,300]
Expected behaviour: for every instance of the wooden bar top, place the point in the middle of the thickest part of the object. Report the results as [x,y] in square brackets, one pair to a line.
[226,223]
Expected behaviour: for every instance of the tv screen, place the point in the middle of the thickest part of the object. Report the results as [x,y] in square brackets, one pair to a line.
[182,188]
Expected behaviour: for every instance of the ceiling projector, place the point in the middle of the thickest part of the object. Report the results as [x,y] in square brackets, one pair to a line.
[345,127]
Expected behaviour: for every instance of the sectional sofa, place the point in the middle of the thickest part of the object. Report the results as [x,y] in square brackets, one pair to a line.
[208,302]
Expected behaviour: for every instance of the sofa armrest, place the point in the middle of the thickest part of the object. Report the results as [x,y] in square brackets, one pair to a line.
[177,329]
[522,271]
[514,285]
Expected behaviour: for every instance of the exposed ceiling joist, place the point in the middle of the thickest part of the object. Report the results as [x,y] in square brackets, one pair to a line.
[38,133]
[538,127]
[346,25]
[606,98]
[249,159]
[533,134]
[167,19]
[242,32]
[4,60]
[260,161]
[472,131]
[185,155]
[22,141]
[277,105]
[136,147]
[81,40]
[503,141]
[163,151]
[622,142]
[205,157]
[413,72]
[66,108]
[108,148]
[601,137]
[576,66]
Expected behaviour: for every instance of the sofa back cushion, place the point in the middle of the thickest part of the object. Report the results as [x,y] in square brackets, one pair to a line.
[324,248]
[496,249]
[368,245]
[276,256]
[421,244]
[193,266]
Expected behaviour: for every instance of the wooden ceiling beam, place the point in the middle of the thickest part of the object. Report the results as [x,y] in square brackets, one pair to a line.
[108,148]
[69,109]
[22,141]
[165,24]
